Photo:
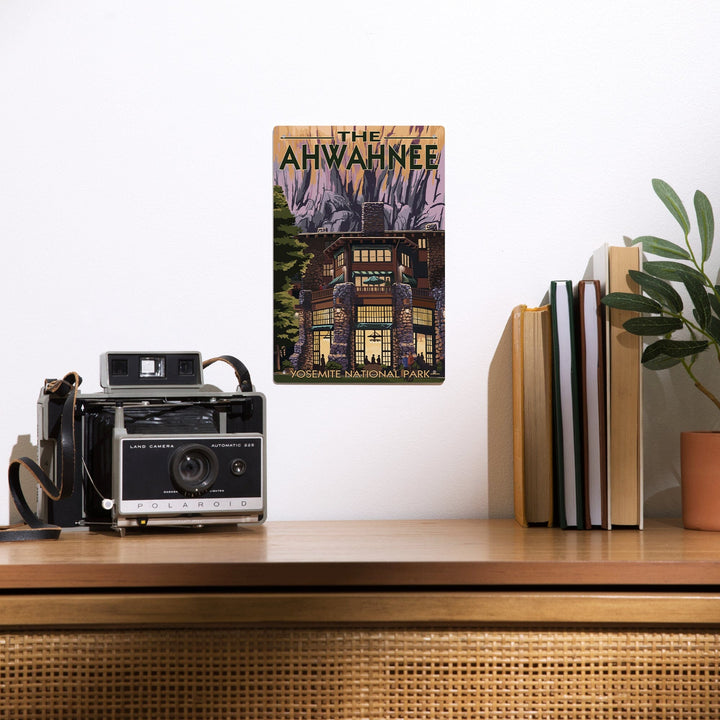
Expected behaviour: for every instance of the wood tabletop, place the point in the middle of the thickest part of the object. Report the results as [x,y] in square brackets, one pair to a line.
[400,555]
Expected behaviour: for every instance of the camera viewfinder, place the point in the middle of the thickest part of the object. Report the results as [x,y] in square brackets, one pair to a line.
[186,367]
[119,367]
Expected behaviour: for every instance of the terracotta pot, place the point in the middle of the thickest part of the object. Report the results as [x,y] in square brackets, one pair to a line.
[700,481]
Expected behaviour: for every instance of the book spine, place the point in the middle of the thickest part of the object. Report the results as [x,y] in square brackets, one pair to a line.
[625,397]
[566,413]
[518,419]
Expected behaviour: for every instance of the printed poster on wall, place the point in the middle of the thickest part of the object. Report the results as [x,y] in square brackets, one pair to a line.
[359,254]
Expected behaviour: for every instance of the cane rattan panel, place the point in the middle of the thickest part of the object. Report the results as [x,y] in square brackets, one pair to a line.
[340,672]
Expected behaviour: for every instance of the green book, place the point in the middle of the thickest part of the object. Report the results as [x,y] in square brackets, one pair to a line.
[567,418]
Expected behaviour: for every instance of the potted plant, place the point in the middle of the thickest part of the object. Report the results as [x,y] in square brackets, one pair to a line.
[665,316]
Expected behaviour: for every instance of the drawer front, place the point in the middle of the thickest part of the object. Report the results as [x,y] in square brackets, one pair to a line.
[365,671]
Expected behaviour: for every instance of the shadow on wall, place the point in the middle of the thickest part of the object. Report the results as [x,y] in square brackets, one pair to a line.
[24,448]
[670,406]
[500,450]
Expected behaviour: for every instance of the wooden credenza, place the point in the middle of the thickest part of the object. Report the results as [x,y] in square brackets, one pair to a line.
[394,619]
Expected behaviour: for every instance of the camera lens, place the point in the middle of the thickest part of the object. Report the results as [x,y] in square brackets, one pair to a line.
[193,469]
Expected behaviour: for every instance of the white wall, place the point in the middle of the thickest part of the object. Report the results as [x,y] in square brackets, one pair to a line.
[135,205]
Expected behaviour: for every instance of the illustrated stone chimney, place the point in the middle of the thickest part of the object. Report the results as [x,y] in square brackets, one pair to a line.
[373,218]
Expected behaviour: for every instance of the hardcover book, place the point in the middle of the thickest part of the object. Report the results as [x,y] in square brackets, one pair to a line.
[359,254]
[532,381]
[566,407]
[625,397]
[623,388]
[592,372]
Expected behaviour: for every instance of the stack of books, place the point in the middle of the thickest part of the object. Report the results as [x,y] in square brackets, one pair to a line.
[577,403]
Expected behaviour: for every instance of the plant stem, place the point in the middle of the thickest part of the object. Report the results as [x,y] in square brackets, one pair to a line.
[700,386]
[708,394]
[701,267]
[692,254]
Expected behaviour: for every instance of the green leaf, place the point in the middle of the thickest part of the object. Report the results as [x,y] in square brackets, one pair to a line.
[699,297]
[673,349]
[661,362]
[658,290]
[669,270]
[673,203]
[652,325]
[714,303]
[714,329]
[706,222]
[663,248]
[631,301]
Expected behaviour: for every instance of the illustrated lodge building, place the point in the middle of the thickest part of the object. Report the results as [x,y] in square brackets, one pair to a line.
[372,298]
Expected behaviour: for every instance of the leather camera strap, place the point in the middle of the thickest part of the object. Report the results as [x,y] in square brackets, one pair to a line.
[34,528]
[241,372]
